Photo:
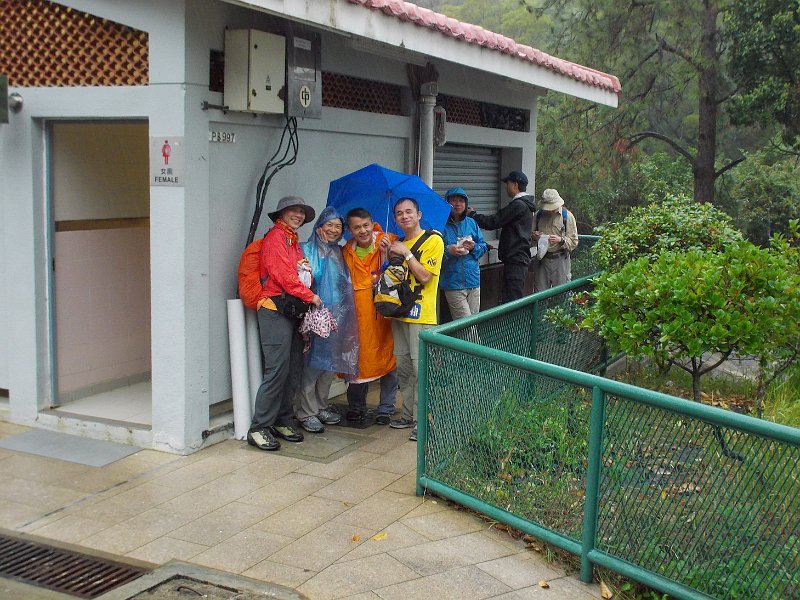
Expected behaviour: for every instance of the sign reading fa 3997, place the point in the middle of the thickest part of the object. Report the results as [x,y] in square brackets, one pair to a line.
[167,161]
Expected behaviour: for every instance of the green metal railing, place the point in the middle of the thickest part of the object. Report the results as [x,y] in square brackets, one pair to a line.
[692,500]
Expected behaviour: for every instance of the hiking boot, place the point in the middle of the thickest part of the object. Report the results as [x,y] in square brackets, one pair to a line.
[329,417]
[263,439]
[287,432]
[413,436]
[383,419]
[312,425]
[402,423]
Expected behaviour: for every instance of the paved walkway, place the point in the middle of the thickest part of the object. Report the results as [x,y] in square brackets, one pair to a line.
[347,526]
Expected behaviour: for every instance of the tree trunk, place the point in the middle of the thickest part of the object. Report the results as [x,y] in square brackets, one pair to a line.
[695,381]
[704,164]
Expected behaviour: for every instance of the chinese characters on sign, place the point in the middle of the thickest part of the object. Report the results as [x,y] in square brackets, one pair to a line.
[167,161]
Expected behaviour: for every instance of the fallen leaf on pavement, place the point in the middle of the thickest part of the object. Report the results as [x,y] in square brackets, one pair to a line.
[535,546]
[380,536]
[356,538]
[544,584]
[605,593]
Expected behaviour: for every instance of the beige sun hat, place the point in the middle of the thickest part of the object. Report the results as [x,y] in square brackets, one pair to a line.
[551,200]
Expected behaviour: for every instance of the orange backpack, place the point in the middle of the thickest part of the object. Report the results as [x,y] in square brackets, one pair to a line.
[250,283]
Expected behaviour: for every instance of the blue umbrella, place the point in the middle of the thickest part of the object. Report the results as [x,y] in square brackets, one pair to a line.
[377,189]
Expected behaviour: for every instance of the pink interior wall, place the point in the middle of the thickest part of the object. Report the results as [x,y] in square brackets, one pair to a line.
[102,287]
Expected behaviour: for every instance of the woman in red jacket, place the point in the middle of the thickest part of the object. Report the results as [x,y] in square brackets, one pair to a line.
[283,295]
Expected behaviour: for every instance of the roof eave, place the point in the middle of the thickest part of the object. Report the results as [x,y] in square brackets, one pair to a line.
[355,20]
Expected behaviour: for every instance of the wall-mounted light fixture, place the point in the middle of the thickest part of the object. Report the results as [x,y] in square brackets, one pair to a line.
[15,102]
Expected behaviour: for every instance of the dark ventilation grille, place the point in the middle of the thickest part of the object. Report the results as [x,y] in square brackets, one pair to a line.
[353,93]
[44,44]
[64,571]
[484,114]
[461,110]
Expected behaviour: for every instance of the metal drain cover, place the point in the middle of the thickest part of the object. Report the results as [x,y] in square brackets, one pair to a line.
[65,571]
[185,588]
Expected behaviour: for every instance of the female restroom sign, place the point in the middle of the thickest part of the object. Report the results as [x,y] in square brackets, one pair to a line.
[167,161]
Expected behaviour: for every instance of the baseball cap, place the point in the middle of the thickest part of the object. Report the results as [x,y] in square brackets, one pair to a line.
[517,176]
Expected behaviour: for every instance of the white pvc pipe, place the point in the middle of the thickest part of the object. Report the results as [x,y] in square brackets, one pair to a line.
[255,367]
[237,339]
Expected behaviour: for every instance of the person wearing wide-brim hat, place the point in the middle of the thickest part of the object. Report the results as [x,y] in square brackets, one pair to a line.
[557,225]
[282,295]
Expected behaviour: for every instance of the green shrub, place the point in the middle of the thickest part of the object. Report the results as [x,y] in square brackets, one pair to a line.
[684,306]
[678,223]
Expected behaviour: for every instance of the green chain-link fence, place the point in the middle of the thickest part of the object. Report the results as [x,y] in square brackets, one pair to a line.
[690,499]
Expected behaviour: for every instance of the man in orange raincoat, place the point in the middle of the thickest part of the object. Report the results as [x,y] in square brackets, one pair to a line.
[364,255]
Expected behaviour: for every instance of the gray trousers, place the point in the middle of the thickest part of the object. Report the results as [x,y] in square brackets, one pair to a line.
[551,272]
[312,395]
[463,303]
[406,352]
[283,369]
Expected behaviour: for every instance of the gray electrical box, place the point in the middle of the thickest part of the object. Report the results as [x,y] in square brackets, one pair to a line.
[303,75]
[255,71]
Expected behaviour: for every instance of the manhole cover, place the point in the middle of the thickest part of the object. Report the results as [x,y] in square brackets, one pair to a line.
[185,588]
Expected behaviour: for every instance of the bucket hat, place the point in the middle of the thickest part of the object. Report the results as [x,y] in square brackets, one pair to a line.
[551,200]
[288,201]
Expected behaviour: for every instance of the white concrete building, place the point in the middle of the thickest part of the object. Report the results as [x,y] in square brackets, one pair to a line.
[117,254]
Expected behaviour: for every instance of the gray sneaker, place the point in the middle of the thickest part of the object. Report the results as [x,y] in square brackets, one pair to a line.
[413,436]
[312,425]
[402,423]
[329,417]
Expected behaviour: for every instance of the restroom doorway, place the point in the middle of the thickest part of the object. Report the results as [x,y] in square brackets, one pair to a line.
[100,271]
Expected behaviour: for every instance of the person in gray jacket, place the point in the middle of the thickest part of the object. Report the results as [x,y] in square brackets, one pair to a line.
[515,219]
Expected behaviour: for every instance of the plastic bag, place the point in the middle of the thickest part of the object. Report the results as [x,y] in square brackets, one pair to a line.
[331,282]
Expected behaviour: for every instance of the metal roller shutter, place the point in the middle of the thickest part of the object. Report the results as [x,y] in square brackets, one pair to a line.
[474,168]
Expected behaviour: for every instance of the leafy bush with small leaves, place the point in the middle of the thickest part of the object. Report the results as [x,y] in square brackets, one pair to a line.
[678,223]
[571,313]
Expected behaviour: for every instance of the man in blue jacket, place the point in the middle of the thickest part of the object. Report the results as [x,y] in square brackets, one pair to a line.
[463,247]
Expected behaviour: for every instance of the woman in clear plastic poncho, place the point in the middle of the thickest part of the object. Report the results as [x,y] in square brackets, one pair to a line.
[337,353]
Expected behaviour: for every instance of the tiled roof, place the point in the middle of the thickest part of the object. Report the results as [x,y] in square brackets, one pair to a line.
[473,34]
